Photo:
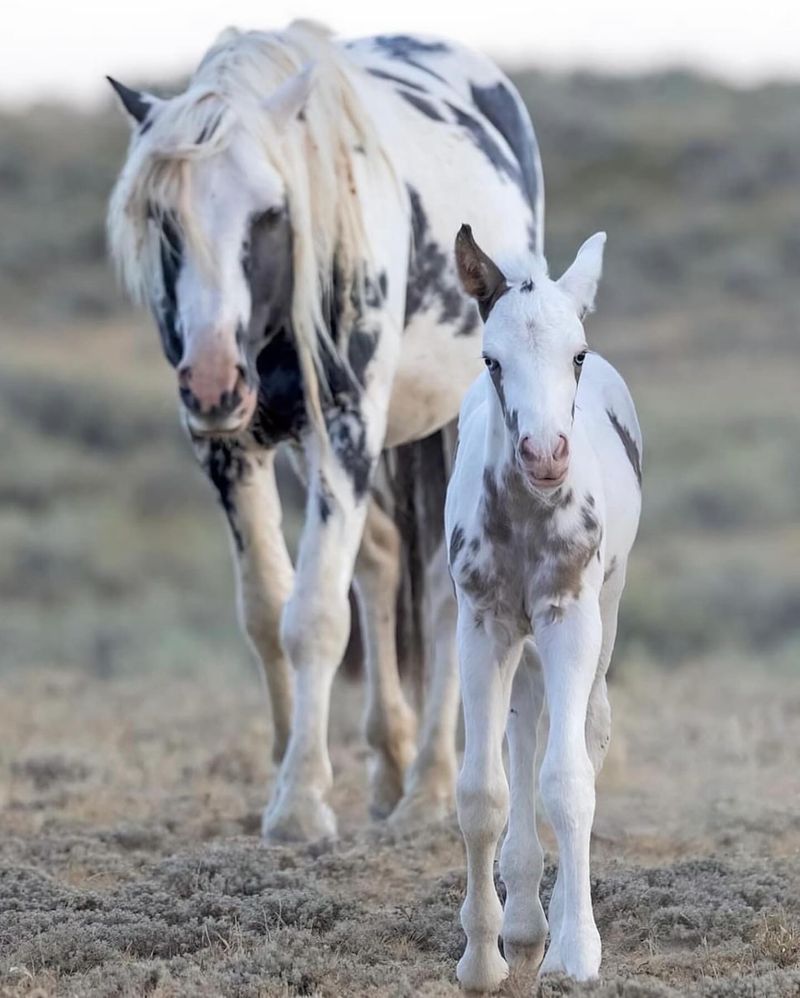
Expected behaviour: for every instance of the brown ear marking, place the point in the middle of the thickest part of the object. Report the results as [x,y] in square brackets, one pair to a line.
[480,276]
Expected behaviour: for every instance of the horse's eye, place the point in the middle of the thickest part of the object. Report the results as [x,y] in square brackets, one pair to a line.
[492,365]
[268,217]
[579,358]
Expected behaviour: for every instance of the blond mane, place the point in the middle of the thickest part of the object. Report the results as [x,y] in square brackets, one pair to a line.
[315,162]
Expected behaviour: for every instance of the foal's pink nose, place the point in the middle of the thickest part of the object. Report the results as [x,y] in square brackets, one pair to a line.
[541,465]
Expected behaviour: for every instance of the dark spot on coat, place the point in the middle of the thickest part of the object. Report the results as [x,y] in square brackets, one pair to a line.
[406,49]
[630,445]
[457,540]
[422,104]
[348,436]
[381,74]
[499,105]
[526,287]
[612,567]
[226,463]
[431,273]
[483,139]
[166,311]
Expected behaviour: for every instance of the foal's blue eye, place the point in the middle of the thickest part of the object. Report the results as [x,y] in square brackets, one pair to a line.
[579,358]
[492,365]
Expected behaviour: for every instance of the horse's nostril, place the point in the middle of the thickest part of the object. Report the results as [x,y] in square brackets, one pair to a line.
[561,448]
[184,376]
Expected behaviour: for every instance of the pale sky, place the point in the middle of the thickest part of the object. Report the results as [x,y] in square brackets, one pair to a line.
[57,47]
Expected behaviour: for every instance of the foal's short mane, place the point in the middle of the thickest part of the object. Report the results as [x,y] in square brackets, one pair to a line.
[315,162]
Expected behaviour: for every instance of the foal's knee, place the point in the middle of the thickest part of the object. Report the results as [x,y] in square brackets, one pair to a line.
[567,788]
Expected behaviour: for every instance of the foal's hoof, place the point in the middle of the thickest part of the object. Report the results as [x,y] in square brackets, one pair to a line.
[298,819]
[481,971]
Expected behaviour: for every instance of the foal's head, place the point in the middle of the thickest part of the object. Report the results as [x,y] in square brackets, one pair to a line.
[534,347]
[200,223]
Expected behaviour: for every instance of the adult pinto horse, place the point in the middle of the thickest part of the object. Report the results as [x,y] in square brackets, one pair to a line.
[289,219]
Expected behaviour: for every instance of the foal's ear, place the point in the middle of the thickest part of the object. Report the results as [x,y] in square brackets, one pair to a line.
[137,104]
[480,276]
[287,102]
[580,280]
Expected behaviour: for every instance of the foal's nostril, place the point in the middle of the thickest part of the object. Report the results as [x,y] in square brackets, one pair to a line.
[184,375]
[561,449]
[527,449]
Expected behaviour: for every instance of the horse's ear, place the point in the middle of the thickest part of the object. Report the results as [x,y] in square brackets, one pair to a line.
[136,103]
[480,276]
[580,280]
[287,102]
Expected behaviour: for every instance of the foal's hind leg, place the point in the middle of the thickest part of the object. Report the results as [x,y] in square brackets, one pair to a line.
[245,483]
[521,858]
[389,722]
[430,783]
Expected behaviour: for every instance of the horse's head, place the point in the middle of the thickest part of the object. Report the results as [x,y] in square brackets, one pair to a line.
[534,346]
[201,225]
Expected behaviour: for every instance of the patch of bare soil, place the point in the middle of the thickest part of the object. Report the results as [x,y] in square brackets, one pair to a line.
[130,863]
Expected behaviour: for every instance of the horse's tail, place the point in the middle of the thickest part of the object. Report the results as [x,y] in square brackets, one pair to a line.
[418,474]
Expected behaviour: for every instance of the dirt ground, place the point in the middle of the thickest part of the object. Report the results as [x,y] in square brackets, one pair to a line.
[130,862]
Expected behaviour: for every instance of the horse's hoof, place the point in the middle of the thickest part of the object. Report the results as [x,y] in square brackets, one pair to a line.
[298,819]
[576,954]
[386,787]
[524,958]
[421,807]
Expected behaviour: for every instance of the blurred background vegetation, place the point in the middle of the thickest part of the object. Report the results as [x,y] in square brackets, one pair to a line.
[113,555]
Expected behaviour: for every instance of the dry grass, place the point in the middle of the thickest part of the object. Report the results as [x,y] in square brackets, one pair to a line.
[129,862]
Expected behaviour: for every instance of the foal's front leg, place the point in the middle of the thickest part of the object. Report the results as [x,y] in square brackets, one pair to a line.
[314,629]
[487,663]
[569,648]
[521,858]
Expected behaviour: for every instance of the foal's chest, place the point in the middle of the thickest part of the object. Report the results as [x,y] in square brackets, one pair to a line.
[523,555]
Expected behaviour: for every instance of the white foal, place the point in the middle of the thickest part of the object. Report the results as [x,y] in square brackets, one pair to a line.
[541,513]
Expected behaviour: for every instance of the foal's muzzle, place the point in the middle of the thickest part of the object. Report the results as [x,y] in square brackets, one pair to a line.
[543,469]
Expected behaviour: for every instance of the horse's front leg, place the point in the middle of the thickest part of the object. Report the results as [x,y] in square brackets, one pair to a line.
[431,779]
[316,625]
[245,483]
[569,648]
[389,722]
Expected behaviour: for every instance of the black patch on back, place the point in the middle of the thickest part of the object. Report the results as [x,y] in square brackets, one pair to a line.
[422,105]
[407,49]
[431,273]
[504,164]
[630,445]
[381,74]
[498,105]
